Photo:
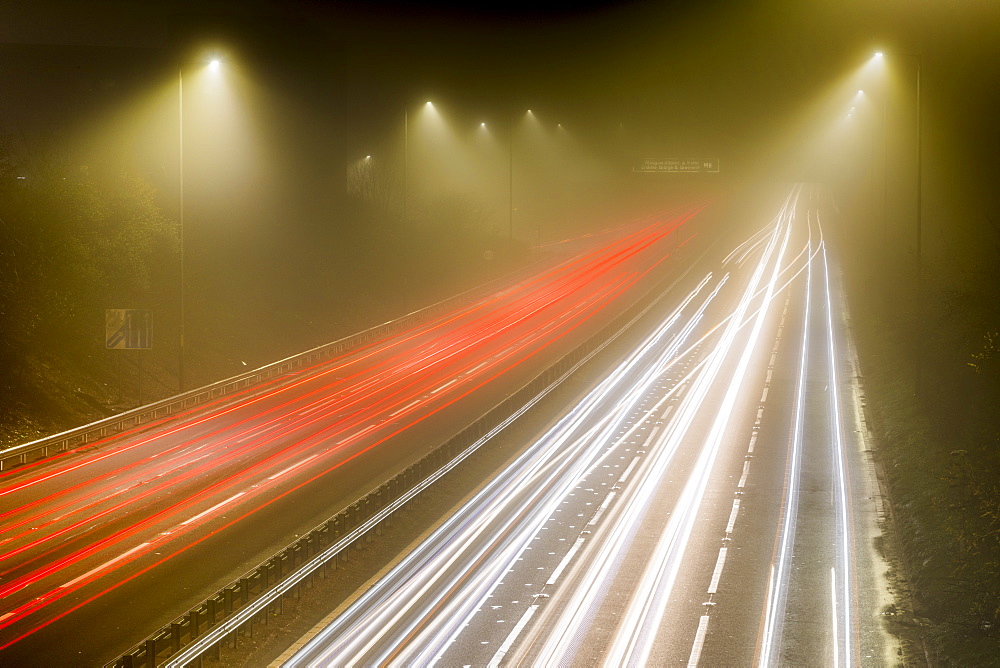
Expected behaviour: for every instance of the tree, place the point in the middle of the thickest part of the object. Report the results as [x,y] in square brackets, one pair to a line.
[72,243]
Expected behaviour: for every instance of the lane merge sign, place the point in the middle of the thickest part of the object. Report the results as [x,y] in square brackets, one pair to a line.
[674,166]
[128,328]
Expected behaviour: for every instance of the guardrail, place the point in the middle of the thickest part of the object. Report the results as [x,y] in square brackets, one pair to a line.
[252,598]
[95,432]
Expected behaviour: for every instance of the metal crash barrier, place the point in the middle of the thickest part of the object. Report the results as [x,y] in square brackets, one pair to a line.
[234,611]
[99,432]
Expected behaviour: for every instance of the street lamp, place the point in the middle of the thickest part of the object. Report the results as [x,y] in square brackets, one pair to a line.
[510,178]
[920,179]
[213,65]
[510,182]
[180,176]
[406,130]
[920,200]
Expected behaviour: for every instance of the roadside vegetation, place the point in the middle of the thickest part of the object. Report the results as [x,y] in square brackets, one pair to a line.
[77,240]
[931,364]
[72,243]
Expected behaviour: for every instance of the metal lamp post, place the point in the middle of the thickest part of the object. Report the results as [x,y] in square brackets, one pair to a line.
[180,170]
[918,286]
[510,182]
[214,65]
[406,131]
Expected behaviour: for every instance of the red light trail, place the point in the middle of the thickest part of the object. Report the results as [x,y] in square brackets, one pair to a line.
[85,515]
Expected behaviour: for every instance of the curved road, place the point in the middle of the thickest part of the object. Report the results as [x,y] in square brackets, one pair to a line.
[706,502]
[101,545]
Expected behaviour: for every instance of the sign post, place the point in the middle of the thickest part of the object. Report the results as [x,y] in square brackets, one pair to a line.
[129,329]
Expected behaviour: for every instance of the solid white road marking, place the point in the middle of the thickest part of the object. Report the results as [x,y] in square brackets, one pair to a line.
[103,566]
[293,466]
[512,636]
[600,511]
[213,508]
[409,405]
[565,561]
[450,382]
[628,470]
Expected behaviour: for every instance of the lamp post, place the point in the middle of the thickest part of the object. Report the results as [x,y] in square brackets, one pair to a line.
[920,269]
[920,180]
[214,66]
[918,287]
[885,162]
[406,130]
[406,145]
[510,182]
[885,173]
[180,176]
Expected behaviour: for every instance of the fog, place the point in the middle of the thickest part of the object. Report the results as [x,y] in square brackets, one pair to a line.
[266,176]
[276,140]
[307,89]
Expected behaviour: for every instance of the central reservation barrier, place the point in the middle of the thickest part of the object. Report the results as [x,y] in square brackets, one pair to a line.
[233,611]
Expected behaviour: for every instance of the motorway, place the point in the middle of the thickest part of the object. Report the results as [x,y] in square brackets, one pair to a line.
[708,501]
[101,545]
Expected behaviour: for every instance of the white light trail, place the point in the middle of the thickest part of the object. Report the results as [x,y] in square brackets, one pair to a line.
[639,625]
[597,439]
[833,600]
[844,528]
[604,506]
[512,637]
[417,611]
[842,596]
[775,595]
[565,560]
[423,580]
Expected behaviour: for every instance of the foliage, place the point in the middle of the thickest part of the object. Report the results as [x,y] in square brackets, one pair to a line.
[72,243]
[941,448]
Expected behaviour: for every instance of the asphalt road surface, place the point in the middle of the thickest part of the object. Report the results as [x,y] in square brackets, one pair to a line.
[102,545]
[708,502]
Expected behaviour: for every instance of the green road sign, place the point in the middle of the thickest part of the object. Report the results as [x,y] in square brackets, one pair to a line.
[674,166]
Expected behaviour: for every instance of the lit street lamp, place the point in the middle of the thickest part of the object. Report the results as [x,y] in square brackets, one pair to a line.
[180,170]
[510,178]
[213,65]
[406,130]
[920,174]
[406,142]
[510,182]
